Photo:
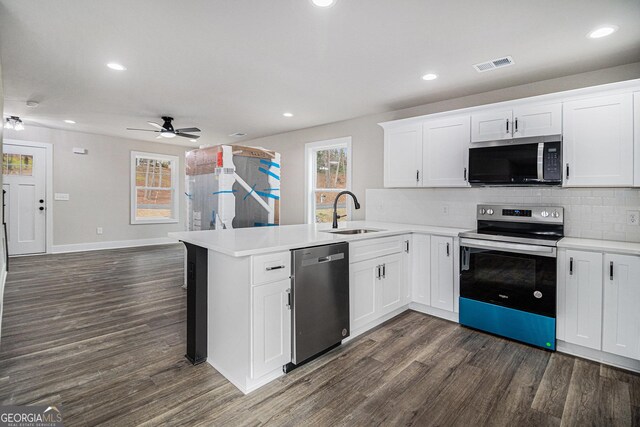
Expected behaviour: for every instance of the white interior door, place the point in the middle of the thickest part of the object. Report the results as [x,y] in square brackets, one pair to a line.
[24,180]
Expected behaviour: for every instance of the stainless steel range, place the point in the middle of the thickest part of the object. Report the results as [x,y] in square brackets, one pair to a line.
[508,272]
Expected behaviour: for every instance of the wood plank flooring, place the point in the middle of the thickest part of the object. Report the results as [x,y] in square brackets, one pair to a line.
[102,334]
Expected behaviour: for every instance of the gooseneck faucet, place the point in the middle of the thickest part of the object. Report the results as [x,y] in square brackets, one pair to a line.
[335,206]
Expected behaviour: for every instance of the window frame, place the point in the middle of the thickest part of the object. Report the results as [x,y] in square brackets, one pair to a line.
[175,170]
[311,148]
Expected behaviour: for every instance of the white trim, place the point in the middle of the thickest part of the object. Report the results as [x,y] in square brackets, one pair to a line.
[564,96]
[3,281]
[309,177]
[175,186]
[114,244]
[598,356]
[48,148]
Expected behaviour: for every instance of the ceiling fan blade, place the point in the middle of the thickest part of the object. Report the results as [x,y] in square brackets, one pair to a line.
[144,130]
[188,135]
[155,125]
[188,130]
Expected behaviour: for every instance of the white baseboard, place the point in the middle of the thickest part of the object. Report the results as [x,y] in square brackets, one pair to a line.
[114,244]
[3,281]
[426,309]
[598,356]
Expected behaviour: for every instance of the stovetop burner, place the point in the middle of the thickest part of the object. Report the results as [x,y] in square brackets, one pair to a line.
[541,225]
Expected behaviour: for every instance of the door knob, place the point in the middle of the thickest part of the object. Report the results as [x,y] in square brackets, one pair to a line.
[41,208]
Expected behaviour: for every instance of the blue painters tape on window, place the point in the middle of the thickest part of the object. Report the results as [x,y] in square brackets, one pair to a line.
[268,195]
[263,170]
[268,163]
[271,189]
[264,224]
[225,192]
[249,193]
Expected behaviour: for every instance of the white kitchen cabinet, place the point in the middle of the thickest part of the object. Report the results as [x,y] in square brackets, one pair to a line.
[403,156]
[598,141]
[363,292]
[270,327]
[442,283]
[621,313]
[445,151]
[491,125]
[580,313]
[537,120]
[636,137]
[420,271]
[377,287]
[519,122]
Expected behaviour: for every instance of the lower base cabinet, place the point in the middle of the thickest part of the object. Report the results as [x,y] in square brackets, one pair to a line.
[442,268]
[270,327]
[377,287]
[599,300]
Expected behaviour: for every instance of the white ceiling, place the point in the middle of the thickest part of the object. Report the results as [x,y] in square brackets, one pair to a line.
[236,65]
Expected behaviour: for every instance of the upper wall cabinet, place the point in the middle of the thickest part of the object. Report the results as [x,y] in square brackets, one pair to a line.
[519,122]
[403,156]
[636,137]
[598,141]
[445,152]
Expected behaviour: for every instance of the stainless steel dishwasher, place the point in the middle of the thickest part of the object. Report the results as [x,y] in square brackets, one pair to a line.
[320,300]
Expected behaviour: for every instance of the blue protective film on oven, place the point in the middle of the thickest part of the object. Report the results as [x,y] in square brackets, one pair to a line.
[519,325]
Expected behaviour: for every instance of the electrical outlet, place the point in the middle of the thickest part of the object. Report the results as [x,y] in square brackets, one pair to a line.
[99,230]
[633,217]
[445,210]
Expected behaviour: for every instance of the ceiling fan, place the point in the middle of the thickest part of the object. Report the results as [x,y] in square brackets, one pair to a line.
[167,130]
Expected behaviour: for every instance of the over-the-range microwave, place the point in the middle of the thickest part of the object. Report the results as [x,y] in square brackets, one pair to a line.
[525,162]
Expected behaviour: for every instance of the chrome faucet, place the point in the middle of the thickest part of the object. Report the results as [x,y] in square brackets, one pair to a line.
[335,206]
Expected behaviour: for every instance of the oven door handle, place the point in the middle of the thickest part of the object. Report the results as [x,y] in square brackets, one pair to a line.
[547,251]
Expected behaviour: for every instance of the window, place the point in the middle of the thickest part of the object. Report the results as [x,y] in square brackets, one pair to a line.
[17,164]
[154,188]
[328,171]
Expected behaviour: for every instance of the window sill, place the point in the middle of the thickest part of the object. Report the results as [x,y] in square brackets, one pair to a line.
[154,221]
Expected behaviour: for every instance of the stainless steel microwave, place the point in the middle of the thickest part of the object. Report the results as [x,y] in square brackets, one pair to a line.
[526,162]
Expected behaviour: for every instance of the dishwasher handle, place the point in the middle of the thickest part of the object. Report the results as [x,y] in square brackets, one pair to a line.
[322,259]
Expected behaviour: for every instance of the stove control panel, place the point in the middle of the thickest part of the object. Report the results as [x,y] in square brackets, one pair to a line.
[547,214]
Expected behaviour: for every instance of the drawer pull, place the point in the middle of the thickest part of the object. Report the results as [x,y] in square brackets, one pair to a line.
[571,266]
[278,267]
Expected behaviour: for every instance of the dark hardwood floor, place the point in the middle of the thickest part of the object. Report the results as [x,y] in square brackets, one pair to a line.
[102,334]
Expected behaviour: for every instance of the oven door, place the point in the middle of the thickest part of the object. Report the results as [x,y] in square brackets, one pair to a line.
[513,275]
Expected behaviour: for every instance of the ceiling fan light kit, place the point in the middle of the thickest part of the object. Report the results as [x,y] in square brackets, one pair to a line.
[166,130]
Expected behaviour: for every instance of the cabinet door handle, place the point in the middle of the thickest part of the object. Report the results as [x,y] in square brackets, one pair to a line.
[406,246]
[507,125]
[567,170]
[384,271]
[417,176]
[288,291]
[378,272]
[447,249]
[277,267]
[571,266]
[465,174]
[515,130]
[611,270]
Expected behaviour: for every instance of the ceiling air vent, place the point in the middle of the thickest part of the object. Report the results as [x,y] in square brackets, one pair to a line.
[493,64]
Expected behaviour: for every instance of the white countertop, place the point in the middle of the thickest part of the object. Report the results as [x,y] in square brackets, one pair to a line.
[628,248]
[258,240]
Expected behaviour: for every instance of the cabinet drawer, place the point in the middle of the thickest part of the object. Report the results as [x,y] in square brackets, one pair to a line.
[367,249]
[271,267]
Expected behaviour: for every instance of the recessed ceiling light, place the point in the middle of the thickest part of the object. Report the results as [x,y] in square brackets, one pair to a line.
[116,66]
[323,3]
[430,76]
[287,114]
[602,32]
[71,122]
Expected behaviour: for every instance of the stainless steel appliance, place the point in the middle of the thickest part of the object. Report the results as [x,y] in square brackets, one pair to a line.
[526,161]
[320,300]
[508,272]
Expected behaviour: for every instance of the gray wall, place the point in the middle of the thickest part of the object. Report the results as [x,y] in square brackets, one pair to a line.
[98,184]
[367,136]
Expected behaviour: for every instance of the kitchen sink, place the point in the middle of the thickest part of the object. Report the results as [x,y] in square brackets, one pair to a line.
[352,231]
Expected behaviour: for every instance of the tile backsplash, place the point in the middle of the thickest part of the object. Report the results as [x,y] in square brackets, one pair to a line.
[594,213]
